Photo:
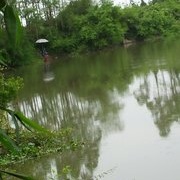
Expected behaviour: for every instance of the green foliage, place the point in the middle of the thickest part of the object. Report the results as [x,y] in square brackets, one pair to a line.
[13,26]
[9,88]
[2,4]
[103,27]
[7,142]
[64,45]
[35,145]
[3,57]
[95,27]
[79,7]
[130,20]
[100,26]
[19,118]
[17,175]
[15,48]
[154,22]
[29,124]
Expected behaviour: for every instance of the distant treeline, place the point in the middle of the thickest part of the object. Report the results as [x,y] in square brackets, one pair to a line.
[82,25]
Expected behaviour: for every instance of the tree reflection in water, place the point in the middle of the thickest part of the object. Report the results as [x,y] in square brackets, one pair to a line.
[160,91]
[89,118]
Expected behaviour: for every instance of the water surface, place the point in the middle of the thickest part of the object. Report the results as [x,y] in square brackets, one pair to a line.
[123,102]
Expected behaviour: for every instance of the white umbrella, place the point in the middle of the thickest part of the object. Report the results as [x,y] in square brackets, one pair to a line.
[42,41]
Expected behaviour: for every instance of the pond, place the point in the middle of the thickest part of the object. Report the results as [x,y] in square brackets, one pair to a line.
[124,103]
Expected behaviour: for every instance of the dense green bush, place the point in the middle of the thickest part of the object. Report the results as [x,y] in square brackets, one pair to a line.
[64,45]
[155,21]
[93,28]
[15,48]
[101,27]
[130,20]
[97,26]
[9,88]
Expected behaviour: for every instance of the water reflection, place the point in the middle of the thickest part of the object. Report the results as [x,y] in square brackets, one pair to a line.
[65,109]
[91,94]
[160,91]
[82,164]
[48,73]
[48,76]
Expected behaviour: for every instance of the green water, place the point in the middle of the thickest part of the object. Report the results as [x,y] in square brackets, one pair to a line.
[123,102]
